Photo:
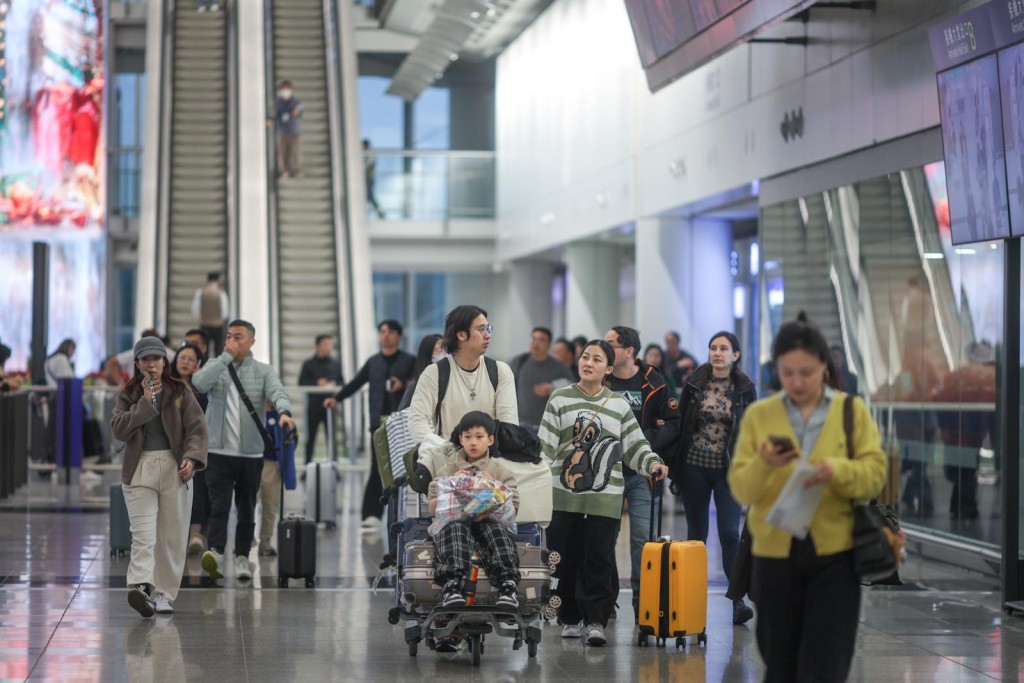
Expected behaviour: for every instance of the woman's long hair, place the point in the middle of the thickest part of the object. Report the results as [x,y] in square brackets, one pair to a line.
[172,387]
[67,347]
[425,354]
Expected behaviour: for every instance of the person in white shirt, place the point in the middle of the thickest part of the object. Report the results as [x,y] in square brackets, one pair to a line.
[58,364]
[210,308]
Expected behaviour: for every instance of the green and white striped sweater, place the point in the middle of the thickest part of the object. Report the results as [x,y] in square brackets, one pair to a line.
[614,437]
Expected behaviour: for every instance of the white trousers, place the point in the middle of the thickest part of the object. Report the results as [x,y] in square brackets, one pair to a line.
[159,509]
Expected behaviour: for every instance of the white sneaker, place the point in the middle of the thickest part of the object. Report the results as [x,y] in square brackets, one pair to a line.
[572,630]
[212,562]
[371,524]
[595,635]
[243,572]
[163,605]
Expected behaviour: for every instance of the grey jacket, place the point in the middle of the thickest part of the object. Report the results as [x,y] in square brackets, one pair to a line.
[261,384]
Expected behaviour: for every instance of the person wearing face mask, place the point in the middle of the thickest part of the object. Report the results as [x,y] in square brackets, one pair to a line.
[287,113]
[165,436]
[715,396]
[806,590]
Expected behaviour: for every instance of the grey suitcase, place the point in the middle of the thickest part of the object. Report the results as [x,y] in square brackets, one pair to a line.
[321,493]
[120,527]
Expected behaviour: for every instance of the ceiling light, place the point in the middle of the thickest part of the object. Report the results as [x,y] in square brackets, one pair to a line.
[474,15]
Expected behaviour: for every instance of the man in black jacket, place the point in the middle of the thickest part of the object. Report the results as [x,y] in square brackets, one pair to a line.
[387,373]
[322,370]
[657,411]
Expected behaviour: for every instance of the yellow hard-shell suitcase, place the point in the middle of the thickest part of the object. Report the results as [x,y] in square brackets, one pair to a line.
[673,590]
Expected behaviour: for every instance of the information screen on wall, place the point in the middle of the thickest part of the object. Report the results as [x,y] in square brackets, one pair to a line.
[52,168]
[674,37]
[972,136]
[1011,83]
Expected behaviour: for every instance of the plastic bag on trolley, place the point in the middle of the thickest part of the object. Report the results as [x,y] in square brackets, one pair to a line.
[467,498]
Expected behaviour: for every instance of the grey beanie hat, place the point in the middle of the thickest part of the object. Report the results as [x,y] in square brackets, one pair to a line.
[150,346]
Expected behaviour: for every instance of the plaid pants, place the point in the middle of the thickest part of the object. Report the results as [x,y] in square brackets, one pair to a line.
[494,544]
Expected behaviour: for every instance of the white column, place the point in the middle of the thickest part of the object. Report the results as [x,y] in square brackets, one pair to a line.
[253,297]
[683,281]
[592,288]
[529,300]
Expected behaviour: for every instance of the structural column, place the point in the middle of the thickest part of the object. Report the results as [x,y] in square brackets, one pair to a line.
[592,288]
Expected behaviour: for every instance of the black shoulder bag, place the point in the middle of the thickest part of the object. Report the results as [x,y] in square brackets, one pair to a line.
[874,557]
[269,448]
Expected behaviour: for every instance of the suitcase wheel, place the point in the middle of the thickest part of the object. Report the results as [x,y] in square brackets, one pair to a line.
[550,613]
[555,601]
[310,582]
[680,643]
[641,639]
[554,557]
[413,647]
[660,642]
[702,639]
[531,648]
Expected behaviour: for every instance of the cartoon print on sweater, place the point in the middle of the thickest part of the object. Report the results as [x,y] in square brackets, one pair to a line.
[589,465]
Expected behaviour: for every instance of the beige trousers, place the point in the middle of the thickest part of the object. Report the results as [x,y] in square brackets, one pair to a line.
[270,499]
[159,508]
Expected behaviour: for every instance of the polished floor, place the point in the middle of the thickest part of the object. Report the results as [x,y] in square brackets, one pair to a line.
[64,617]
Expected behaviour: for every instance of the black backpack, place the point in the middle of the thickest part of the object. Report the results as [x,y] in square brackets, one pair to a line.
[444,375]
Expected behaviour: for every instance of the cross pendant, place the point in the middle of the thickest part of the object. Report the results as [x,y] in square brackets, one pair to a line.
[472,396]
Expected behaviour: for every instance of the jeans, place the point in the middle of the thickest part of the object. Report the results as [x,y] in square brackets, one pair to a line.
[638,498]
[698,485]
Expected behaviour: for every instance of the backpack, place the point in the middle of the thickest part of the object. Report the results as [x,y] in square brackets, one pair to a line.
[444,375]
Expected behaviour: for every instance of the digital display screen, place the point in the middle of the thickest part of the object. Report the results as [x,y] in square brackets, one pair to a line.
[52,159]
[1011,81]
[972,139]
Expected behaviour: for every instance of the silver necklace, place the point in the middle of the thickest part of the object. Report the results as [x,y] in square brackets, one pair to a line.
[465,382]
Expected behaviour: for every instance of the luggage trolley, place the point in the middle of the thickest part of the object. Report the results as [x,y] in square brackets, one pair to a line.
[418,597]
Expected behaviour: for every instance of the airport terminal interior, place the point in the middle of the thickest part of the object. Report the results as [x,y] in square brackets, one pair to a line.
[684,168]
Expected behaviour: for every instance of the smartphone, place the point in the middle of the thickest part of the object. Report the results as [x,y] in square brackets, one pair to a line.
[782,443]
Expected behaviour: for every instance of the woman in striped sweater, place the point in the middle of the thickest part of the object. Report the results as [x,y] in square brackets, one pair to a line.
[588,432]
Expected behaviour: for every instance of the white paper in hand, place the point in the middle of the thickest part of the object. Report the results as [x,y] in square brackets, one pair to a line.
[794,508]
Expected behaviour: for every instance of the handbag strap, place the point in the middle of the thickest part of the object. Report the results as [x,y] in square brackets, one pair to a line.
[267,441]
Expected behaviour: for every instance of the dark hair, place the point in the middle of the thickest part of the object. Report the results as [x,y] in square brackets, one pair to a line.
[628,338]
[285,83]
[459,319]
[238,322]
[425,354]
[734,341]
[195,331]
[648,348]
[579,341]
[321,337]
[545,331]
[174,363]
[800,334]
[67,347]
[563,340]
[476,418]
[392,325]
[150,332]
[212,276]
[674,334]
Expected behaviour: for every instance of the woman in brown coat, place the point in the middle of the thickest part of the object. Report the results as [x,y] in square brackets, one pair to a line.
[165,437]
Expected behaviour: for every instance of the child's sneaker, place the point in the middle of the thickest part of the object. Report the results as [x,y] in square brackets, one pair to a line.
[451,595]
[508,595]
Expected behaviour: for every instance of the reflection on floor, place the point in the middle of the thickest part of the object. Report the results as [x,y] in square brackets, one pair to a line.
[64,616]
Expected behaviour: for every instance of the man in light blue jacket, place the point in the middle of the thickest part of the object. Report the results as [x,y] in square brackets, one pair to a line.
[235,463]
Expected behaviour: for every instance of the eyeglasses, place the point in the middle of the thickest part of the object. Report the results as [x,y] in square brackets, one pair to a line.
[485,329]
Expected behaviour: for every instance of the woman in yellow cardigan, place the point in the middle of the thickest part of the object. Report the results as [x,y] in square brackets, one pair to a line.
[806,592]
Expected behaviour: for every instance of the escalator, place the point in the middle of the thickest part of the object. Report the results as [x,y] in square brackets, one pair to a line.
[198,157]
[305,210]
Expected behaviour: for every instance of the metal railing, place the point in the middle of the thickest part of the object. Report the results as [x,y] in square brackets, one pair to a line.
[430,185]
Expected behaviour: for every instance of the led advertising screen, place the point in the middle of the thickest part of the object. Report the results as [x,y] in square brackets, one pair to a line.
[1011,82]
[52,170]
[972,139]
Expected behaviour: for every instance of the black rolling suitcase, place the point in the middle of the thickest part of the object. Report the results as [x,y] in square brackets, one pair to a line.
[296,550]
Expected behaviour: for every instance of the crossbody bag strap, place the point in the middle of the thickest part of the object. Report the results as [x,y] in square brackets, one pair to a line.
[268,443]
[848,424]
[584,430]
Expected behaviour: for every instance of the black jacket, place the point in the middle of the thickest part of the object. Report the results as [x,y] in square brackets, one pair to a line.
[375,371]
[659,403]
[743,394]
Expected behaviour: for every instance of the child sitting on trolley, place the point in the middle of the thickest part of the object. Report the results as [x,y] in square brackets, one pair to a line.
[495,544]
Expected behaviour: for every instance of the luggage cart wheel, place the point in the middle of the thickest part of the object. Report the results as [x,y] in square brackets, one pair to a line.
[475,648]
[531,648]
[393,616]
[310,582]
[413,646]
[282,582]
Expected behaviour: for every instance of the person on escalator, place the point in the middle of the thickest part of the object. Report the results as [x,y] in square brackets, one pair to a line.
[203,5]
[287,113]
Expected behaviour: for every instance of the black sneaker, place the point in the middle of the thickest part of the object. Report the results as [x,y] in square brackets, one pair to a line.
[508,595]
[741,612]
[451,595]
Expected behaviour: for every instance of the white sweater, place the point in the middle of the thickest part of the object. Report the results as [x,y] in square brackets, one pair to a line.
[501,405]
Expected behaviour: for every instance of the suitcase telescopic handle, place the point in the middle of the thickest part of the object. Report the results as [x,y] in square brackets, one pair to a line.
[657,505]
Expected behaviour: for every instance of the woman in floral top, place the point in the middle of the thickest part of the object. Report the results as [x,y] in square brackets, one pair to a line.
[713,400]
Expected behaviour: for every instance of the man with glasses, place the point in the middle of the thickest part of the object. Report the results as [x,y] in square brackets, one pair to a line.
[387,373]
[537,374]
[474,381]
[657,412]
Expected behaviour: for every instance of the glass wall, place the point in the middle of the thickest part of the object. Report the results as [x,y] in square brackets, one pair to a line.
[915,326]
[417,300]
